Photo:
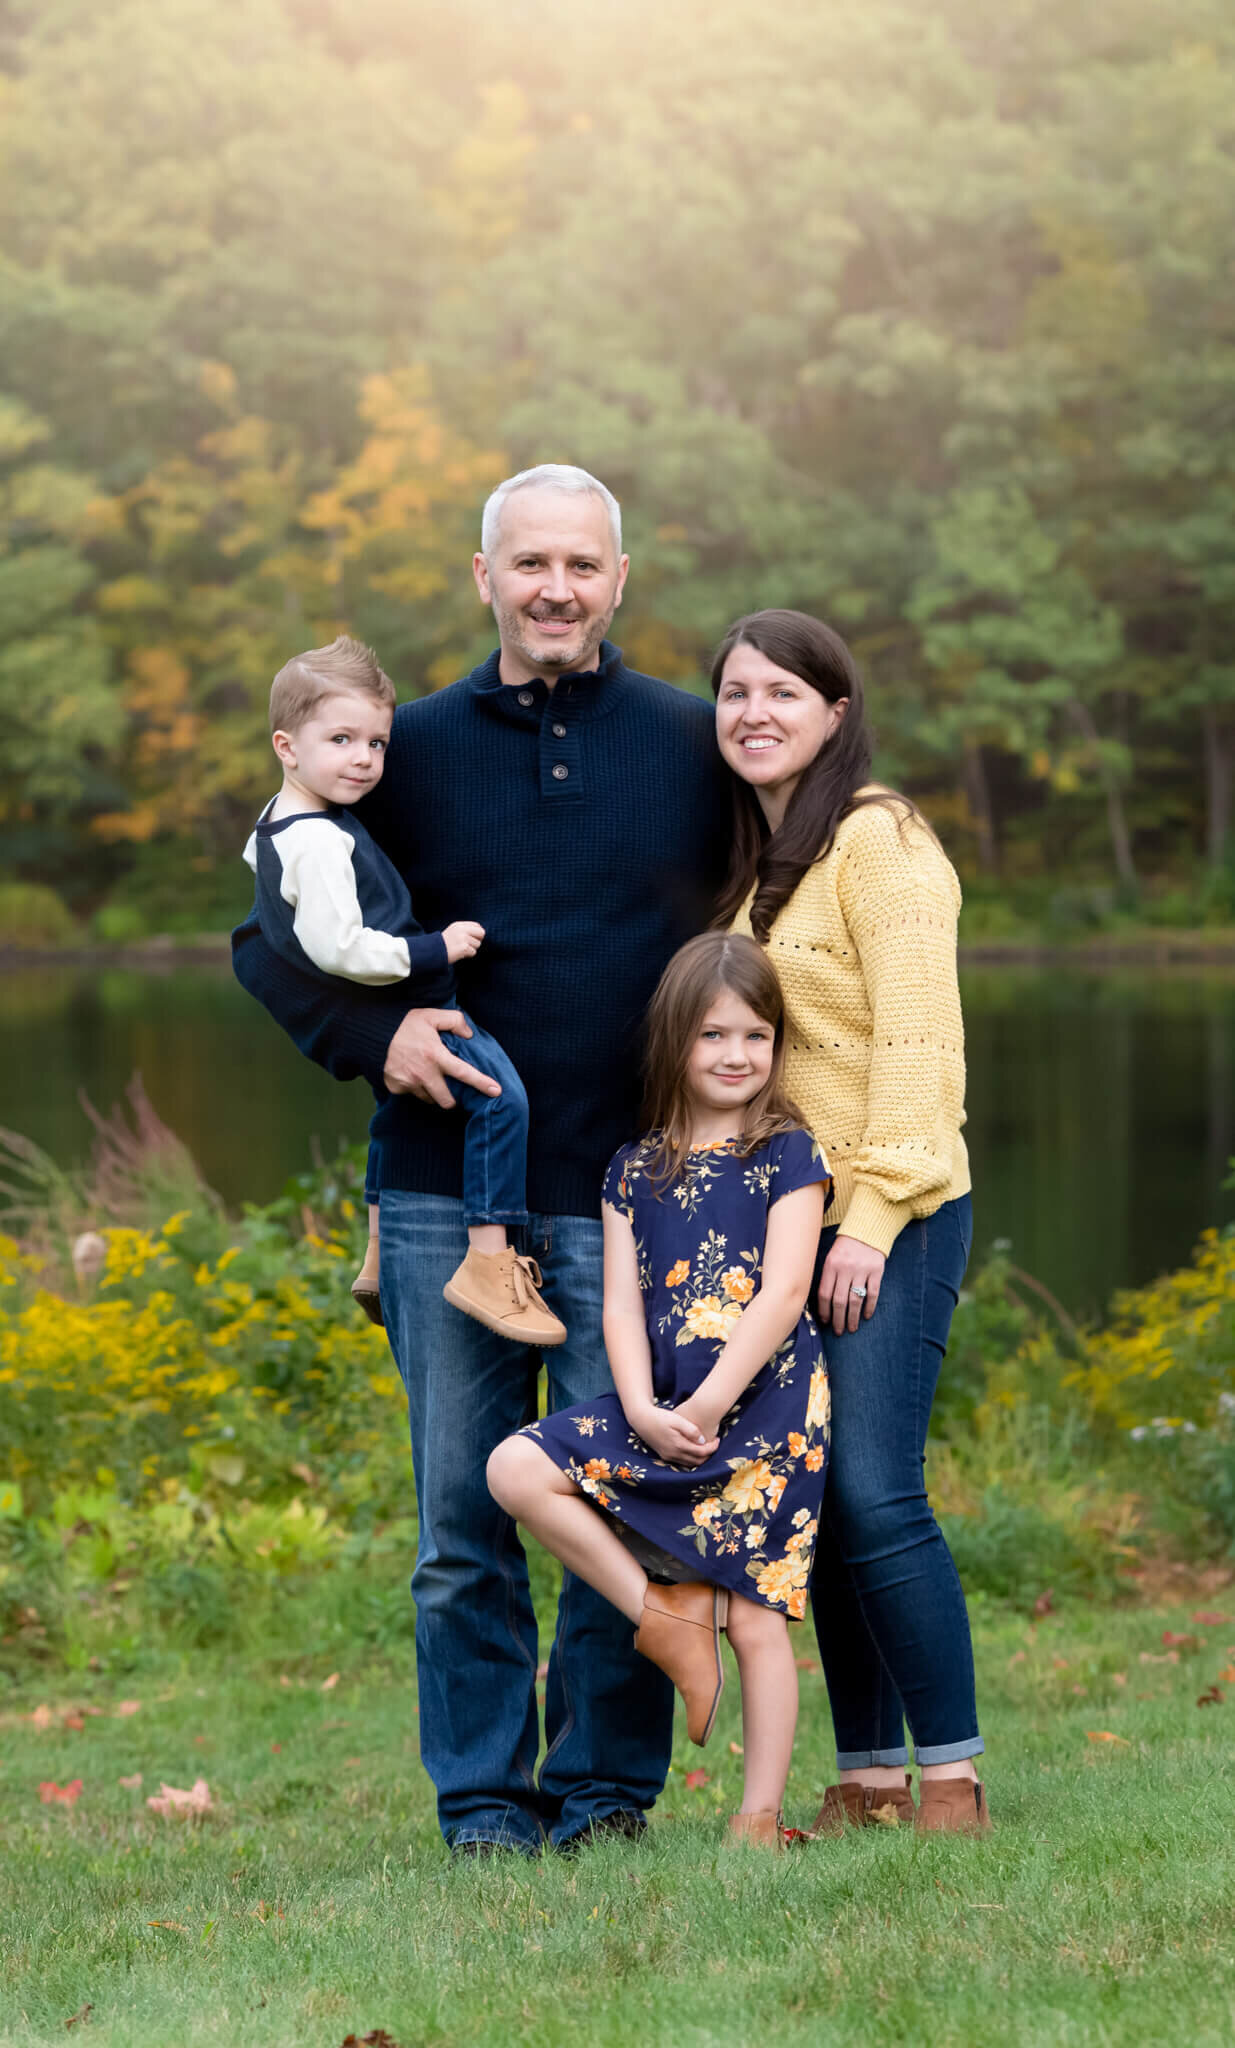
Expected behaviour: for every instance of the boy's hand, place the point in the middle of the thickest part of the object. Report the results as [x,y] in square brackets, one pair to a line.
[463,940]
[673,1436]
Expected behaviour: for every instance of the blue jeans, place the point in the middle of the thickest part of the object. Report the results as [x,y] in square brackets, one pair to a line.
[608,1712]
[495,1141]
[888,1607]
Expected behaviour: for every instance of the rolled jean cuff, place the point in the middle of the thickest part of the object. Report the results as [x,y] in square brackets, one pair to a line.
[869,1759]
[509,1219]
[949,1752]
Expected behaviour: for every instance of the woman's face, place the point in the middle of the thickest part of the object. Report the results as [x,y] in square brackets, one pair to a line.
[770,724]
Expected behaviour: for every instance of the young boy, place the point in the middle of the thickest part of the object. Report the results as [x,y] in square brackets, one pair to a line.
[330,902]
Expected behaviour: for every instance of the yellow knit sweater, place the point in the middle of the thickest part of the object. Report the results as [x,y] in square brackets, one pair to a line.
[865,950]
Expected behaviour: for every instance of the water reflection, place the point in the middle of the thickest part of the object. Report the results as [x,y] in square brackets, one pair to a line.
[1101,1105]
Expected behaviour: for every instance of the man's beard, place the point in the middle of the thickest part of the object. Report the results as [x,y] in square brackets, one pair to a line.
[510,627]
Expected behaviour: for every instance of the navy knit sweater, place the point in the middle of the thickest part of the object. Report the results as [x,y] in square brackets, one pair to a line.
[587,828]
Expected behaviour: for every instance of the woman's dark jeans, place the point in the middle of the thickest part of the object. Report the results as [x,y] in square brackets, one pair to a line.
[888,1607]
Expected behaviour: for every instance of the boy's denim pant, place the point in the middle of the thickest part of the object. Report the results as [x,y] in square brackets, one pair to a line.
[495,1141]
[608,1712]
[888,1607]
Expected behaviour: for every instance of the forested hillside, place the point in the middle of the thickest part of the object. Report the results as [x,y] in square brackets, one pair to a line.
[920,317]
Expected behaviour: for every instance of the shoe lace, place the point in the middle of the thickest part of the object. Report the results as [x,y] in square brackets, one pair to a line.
[525,1273]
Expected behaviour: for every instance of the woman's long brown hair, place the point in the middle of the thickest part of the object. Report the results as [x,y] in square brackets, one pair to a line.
[695,976]
[774,863]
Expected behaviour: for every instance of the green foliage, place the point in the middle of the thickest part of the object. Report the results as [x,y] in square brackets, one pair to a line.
[32,915]
[935,349]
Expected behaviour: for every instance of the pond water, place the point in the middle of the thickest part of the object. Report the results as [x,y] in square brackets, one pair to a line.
[1101,1105]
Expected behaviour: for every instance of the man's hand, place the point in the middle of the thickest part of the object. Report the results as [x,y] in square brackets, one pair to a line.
[672,1436]
[463,940]
[417,1063]
[849,1264]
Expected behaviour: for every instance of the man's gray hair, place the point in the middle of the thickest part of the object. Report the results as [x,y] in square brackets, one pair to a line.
[555,476]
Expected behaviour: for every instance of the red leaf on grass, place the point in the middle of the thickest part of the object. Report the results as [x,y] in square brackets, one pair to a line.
[275,1747]
[379,2038]
[52,1794]
[128,1706]
[694,1779]
[82,2014]
[1211,1697]
[132,1784]
[1175,1641]
[1105,1735]
[73,1721]
[736,1749]
[1208,1618]
[1228,1675]
[42,1716]
[1045,1602]
[806,1664]
[329,1684]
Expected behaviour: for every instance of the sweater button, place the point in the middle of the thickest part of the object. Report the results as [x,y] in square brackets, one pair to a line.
[559,732]
[560,772]
[526,697]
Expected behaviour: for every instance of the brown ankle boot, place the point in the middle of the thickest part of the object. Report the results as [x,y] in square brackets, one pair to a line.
[680,1631]
[764,1830]
[501,1290]
[953,1806]
[842,1807]
[888,1806]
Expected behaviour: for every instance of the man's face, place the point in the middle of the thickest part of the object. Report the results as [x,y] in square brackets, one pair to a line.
[554,581]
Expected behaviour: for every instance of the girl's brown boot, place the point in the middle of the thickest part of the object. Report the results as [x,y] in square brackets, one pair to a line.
[862,1806]
[953,1806]
[765,1830]
[680,1631]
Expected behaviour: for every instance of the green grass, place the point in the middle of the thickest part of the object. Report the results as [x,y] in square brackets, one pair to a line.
[317,1901]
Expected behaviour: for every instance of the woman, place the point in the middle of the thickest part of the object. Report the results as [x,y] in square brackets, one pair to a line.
[846,886]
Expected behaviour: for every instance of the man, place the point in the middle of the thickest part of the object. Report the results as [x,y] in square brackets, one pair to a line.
[578,812]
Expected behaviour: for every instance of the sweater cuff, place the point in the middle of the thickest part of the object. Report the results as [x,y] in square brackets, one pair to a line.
[369,1032]
[873,1219]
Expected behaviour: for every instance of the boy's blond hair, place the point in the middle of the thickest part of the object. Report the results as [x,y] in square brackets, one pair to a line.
[307,679]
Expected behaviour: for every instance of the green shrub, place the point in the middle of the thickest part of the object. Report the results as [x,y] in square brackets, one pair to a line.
[32,915]
[119,924]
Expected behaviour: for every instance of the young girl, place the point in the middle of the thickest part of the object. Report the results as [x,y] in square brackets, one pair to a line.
[708,1463]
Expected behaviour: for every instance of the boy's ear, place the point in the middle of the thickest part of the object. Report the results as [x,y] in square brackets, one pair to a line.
[284,744]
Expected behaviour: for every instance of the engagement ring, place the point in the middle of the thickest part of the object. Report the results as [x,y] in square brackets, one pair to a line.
[859,1291]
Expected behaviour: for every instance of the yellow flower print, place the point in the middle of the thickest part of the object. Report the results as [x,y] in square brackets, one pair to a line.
[737,1284]
[755,1535]
[676,1274]
[819,1400]
[796,1604]
[706,1511]
[781,1577]
[797,1443]
[749,1484]
[814,1460]
[775,1491]
[585,1424]
[598,1468]
[706,1318]
[803,1515]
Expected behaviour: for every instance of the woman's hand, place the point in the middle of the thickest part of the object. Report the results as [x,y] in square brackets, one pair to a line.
[850,1264]
[672,1435]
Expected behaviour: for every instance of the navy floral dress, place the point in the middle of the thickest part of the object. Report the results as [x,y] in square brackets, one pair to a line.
[748,1518]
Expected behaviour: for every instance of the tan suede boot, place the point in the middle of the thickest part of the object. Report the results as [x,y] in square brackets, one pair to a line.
[953,1806]
[864,1806]
[501,1290]
[765,1830]
[680,1631]
[842,1807]
[365,1285]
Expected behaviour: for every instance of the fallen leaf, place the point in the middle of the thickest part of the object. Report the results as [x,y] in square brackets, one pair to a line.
[885,1816]
[284,1679]
[128,1706]
[542,1671]
[736,1749]
[132,1784]
[1208,1619]
[694,1779]
[1045,1602]
[379,2038]
[350,1762]
[1059,1663]
[275,1747]
[1105,1735]
[1211,1697]
[52,1794]
[1167,1657]
[1017,1657]
[83,2014]
[1174,1641]
[1119,1678]
[73,1721]
[806,1664]
[93,1712]
[329,1684]
[42,1716]
[169,1800]
[1081,1689]
[1228,1675]
[306,1473]
[262,1911]
[176,1926]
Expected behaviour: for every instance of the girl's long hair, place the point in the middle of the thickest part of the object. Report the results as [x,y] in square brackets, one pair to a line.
[774,863]
[697,973]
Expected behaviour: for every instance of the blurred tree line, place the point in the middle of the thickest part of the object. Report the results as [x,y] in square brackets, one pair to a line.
[914,316]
